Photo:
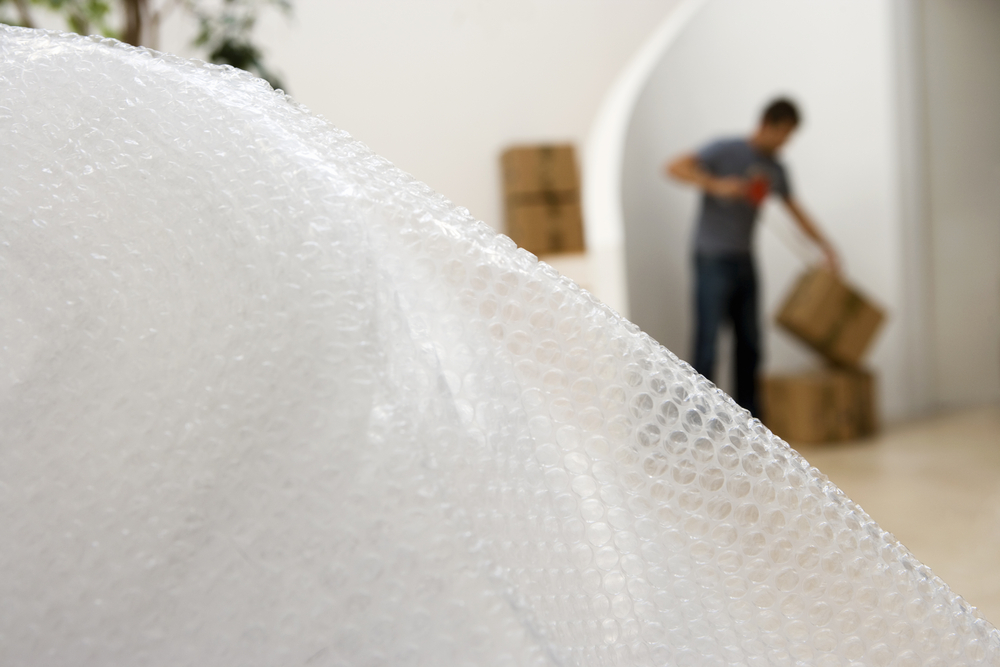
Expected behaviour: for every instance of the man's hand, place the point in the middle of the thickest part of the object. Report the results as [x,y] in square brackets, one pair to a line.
[830,259]
[728,187]
[811,229]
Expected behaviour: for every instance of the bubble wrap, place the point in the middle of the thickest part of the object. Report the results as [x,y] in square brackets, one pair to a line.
[267,400]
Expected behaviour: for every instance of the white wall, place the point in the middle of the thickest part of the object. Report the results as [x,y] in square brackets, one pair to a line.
[961,74]
[836,58]
[439,87]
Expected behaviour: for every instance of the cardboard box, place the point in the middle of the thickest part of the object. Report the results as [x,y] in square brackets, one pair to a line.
[542,198]
[541,168]
[830,316]
[821,406]
[546,228]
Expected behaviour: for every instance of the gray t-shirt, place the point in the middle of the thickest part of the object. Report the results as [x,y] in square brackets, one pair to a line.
[725,226]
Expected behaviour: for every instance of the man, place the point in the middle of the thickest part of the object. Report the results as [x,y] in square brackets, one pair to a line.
[735,176]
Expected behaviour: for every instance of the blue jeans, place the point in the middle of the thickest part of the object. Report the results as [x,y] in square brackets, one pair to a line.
[726,290]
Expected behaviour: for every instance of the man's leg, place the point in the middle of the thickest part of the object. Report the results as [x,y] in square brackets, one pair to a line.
[746,330]
[712,290]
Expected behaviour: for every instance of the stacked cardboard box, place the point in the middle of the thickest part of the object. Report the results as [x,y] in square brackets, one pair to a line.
[836,403]
[821,406]
[542,198]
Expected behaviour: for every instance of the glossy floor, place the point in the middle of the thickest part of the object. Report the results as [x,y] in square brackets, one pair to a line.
[935,484]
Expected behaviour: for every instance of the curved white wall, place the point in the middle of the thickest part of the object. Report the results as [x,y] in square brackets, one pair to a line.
[835,58]
[605,152]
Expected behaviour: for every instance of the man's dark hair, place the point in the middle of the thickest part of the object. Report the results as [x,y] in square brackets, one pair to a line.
[780,111]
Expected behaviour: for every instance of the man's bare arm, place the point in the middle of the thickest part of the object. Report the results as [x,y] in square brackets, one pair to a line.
[687,169]
[811,229]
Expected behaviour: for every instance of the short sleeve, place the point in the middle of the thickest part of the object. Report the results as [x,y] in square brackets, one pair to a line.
[710,155]
[782,185]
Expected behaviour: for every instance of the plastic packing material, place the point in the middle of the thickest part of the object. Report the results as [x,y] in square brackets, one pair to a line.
[267,400]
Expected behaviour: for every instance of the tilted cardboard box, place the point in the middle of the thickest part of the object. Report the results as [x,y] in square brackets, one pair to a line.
[830,316]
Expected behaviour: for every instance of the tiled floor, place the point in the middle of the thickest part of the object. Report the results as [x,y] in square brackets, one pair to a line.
[935,484]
